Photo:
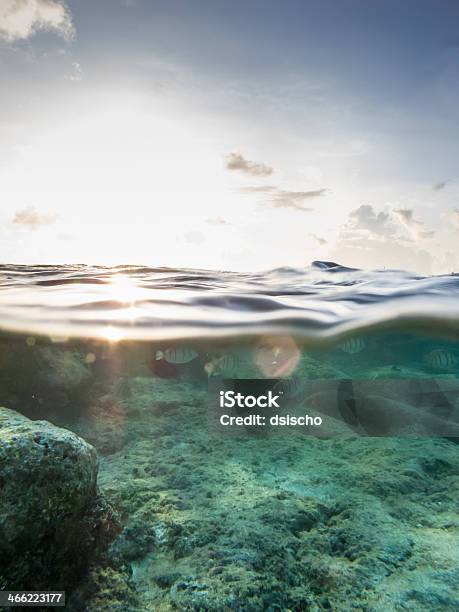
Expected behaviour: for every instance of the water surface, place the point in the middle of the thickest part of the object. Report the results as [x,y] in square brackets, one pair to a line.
[362,515]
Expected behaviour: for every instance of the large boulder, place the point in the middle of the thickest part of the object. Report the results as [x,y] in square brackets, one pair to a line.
[44,380]
[50,512]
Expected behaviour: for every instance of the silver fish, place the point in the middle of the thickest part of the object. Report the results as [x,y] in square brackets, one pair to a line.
[228,364]
[178,355]
[441,359]
[351,346]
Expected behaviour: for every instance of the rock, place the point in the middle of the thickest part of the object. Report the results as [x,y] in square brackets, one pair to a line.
[63,369]
[50,519]
[42,380]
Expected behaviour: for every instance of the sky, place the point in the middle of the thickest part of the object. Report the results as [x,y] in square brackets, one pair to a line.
[230,135]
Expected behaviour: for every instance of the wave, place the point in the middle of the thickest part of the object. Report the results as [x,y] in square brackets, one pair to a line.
[320,303]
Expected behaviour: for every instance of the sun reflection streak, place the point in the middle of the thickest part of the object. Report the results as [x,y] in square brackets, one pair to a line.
[124,289]
[112,334]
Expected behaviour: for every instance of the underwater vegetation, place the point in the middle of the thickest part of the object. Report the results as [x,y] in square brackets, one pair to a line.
[181,518]
[115,486]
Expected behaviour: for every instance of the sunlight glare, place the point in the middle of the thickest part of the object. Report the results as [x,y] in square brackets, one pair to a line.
[112,334]
[123,289]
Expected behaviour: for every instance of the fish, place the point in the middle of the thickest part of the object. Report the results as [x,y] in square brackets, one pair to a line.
[227,365]
[441,359]
[352,346]
[178,355]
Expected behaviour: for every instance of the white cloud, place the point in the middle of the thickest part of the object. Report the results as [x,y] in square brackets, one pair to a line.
[365,218]
[238,162]
[415,227]
[20,19]
[31,219]
[398,223]
[384,239]
[76,74]
[282,198]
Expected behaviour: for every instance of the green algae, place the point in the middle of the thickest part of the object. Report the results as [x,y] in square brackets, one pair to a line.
[210,523]
[293,523]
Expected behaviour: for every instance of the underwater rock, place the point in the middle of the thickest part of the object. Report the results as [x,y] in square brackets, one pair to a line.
[63,369]
[51,518]
[43,381]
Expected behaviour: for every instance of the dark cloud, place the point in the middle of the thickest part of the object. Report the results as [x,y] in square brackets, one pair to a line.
[238,162]
[440,185]
[282,198]
[31,219]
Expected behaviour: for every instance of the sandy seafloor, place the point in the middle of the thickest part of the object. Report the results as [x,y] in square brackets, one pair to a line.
[266,523]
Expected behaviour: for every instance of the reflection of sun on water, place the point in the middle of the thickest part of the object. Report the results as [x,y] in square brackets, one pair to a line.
[112,334]
[123,289]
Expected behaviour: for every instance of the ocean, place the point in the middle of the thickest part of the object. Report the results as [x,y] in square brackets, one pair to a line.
[134,475]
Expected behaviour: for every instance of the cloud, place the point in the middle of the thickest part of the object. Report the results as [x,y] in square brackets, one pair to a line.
[318,239]
[237,162]
[76,74]
[386,224]
[440,185]
[20,19]
[415,227]
[31,219]
[258,189]
[294,199]
[365,218]
[383,239]
[282,198]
